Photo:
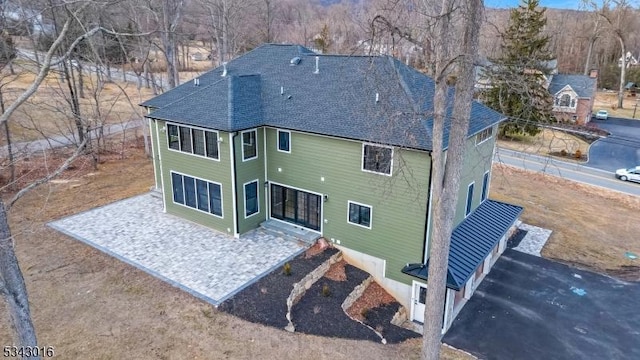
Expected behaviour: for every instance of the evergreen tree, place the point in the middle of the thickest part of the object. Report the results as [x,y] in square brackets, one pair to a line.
[518,76]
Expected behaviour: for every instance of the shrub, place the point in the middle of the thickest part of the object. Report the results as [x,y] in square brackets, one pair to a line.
[563,152]
[578,154]
[364,313]
[286,269]
[326,292]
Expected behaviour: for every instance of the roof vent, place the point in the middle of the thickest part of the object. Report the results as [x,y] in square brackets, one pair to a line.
[377,97]
[224,68]
[196,82]
[295,61]
[317,71]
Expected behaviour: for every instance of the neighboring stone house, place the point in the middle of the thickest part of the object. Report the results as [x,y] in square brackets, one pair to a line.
[573,96]
[332,146]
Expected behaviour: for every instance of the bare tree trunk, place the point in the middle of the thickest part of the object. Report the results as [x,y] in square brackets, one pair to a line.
[7,132]
[587,64]
[446,173]
[623,72]
[13,289]
[80,81]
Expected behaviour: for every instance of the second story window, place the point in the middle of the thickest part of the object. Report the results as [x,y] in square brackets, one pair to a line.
[249,145]
[284,141]
[193,141]
[377,158]
[484,135]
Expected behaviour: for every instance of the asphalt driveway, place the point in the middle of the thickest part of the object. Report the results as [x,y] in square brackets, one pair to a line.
[619,150]
[533,308]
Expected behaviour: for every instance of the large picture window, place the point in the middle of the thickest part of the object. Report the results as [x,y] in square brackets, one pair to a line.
[193,141]
[360,214]
[377,158]
[251,205]
[197,193]
[249,145]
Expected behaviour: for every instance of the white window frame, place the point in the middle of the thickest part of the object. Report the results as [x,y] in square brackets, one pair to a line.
[221,216]
[376,172]
[349,202]
[166,127]
[255,131]
[244,189]
[278,141]
[484,194]
[484,135]
[468,206]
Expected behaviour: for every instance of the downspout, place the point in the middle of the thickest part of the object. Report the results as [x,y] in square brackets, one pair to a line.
[234,174]
[427,225]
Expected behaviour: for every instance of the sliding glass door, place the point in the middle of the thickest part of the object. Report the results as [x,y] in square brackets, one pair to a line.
[296,206]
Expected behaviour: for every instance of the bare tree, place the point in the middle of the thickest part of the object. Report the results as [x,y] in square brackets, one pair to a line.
[617,19]
[12,286]
[447,170]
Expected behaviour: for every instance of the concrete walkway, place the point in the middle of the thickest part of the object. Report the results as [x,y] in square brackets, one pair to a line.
[534,241]
[208,264]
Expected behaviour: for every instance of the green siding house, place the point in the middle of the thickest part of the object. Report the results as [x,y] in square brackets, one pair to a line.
[329,146]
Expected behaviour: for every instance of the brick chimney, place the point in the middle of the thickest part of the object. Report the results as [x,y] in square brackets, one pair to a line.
[593,73]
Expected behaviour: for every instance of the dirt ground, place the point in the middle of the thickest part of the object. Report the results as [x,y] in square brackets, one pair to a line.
[89,305]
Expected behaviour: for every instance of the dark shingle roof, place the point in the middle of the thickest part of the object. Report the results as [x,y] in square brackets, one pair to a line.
[583,85]
[262,87]
[472,241]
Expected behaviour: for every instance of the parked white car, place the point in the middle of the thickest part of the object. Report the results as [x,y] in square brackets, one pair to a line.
[631,174]
[602,114]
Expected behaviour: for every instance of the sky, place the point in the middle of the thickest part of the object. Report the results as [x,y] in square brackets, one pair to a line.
[557,4]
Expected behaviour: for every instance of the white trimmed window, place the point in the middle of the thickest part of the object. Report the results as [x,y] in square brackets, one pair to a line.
[377,159]
[467,208]
[249,145]
[197,193]
[284,141]
[484,135]
[359,214]
[193,141]
[251,203]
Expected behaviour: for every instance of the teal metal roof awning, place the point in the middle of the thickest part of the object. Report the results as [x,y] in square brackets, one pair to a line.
[472,240]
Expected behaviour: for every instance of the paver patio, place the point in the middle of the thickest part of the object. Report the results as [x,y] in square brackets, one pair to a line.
[206,263]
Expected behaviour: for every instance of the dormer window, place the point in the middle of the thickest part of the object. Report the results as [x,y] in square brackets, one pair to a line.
[565,100]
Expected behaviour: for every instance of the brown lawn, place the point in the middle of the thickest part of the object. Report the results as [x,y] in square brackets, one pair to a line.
[90,305]
[48,112]
[592,227]
[548,141]
[609,101]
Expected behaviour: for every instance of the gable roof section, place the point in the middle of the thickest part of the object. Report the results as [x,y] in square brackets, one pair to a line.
[263,87]
[583,85]
[472,240]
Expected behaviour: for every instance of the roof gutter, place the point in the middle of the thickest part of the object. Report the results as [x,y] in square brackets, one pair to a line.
[427,216]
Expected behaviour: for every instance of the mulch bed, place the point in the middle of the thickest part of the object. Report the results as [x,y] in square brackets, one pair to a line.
[318,312]
[322,315]
[265,301]
[516,238]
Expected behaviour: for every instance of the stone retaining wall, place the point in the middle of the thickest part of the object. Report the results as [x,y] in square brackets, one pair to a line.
[303,285]
[353,297]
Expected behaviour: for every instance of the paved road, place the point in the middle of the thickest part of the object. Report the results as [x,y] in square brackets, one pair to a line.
[619,150]
[116,73]
[31,147]
[532,308]
[570,171]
